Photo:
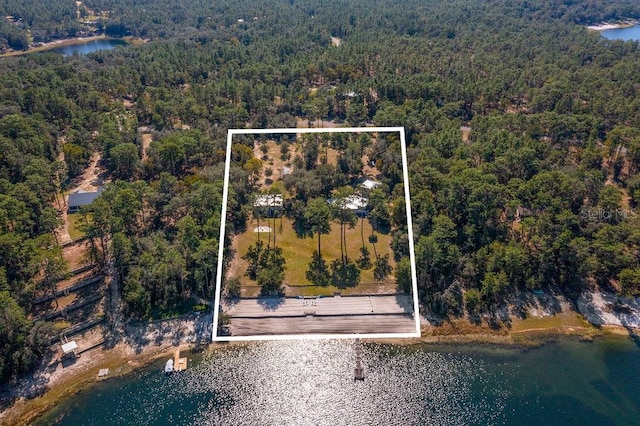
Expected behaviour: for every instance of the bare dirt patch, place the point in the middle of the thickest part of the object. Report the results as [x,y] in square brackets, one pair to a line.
[273,161]
[466,131]
[604,308]
[91,178]
[368,169]
[62,232]
[146,139]
[77,255]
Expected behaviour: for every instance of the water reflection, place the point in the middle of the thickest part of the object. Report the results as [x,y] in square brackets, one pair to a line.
[311,383]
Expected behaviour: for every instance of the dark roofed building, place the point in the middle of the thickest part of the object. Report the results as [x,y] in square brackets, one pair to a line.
[79,199]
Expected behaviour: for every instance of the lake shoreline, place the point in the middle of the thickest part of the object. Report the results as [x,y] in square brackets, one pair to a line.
[55,44]
[142,348]
[70,42]
[613,26]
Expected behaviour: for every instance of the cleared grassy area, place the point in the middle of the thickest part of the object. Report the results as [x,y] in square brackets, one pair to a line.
[298,252]
[74,232]
[61,324]
[562,319]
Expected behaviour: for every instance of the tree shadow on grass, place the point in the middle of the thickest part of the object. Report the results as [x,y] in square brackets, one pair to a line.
[301,228]
[405,302]
[271,303]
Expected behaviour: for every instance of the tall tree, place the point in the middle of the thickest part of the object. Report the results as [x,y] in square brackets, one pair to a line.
[318,216]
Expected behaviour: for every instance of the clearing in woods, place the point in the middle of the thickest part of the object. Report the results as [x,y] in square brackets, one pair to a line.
[373,308]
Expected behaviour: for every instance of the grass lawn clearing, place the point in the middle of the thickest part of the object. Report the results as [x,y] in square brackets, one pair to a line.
[298,251]
[74,221]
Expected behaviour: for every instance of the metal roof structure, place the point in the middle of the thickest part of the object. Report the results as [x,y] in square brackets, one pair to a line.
[79,199]
[370,184]
[69,347]
[274,200]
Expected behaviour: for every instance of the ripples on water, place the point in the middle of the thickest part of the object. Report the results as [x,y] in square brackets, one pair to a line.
[311,383]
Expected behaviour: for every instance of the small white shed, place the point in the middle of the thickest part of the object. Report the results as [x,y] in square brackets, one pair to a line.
[69,348]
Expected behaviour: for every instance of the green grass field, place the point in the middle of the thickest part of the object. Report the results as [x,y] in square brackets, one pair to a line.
[74,232]
[298,252]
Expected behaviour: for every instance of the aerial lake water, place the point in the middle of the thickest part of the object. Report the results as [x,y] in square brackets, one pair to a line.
[89,47]
[629,33]
[310,382]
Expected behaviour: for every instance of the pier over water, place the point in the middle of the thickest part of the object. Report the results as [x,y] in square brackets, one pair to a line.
[359,370]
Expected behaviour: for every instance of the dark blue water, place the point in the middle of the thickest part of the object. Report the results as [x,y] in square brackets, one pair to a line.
[311,383]
[630,33]
[89,47]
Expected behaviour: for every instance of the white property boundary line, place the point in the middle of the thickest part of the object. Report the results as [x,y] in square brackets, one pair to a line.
[223,221]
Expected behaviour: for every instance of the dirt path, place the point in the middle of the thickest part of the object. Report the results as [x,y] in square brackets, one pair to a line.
[146,141]
[91,180]
[62,233]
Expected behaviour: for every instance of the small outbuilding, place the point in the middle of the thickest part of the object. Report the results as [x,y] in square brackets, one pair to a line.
[70,349]
[79,199]
[370,184]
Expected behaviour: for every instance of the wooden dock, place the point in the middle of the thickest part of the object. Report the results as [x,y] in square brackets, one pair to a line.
[358,373]
[179,364]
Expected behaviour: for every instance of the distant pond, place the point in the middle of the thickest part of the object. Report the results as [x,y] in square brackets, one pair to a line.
[89,47]
[629,33]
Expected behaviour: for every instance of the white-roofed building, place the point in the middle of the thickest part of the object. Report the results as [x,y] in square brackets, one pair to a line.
[69,349]
[370,184]
[352,202]
[269,205]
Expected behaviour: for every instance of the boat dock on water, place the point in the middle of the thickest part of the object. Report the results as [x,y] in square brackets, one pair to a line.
[179,364]
[176,363]
[358,373]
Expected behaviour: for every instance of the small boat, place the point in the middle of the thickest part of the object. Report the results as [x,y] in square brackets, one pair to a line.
[168,367]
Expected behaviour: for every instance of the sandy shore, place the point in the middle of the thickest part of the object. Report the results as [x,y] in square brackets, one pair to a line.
[547,317]
[607,26]
[141,345]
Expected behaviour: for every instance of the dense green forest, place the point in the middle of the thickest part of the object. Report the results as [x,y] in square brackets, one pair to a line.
[541,195]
